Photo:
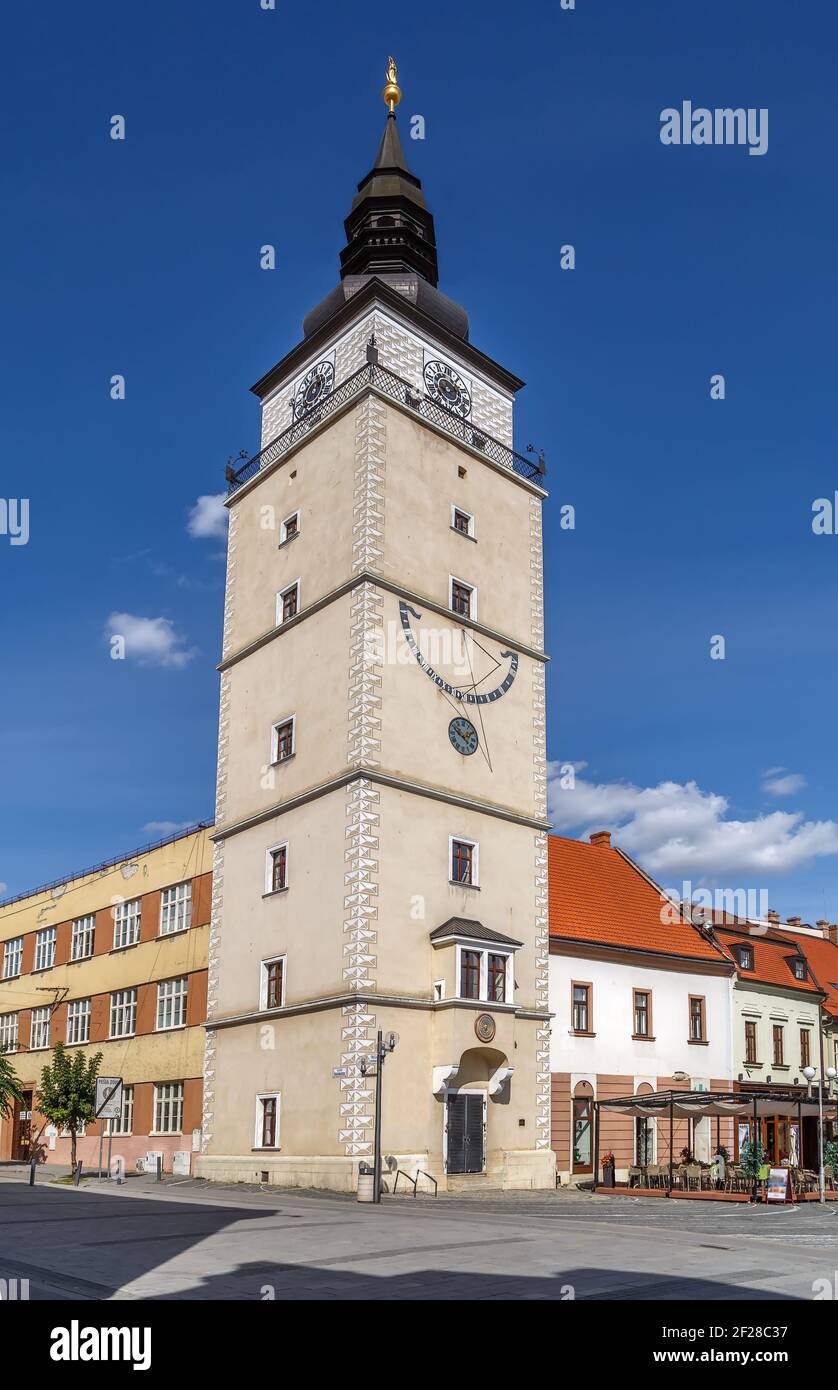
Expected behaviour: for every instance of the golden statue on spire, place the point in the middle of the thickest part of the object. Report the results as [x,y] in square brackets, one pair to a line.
[392,93]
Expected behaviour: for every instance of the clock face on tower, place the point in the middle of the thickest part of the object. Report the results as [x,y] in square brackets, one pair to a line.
[480,666]
[316,384]
[447,388]
[463,736]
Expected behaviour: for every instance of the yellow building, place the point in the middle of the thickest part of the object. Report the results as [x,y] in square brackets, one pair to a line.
[113,960]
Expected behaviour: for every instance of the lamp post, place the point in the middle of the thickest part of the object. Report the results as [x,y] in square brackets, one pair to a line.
[381,1050]
[810,1074]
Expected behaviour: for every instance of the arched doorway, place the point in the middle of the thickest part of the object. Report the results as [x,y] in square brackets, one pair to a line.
[582,1128]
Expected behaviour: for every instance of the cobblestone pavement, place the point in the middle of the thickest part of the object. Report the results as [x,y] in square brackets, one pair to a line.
[186,1239]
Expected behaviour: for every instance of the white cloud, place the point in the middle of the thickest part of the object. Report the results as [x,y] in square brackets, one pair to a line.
[150,641]
[208,517]
[166,827]
[4,888]
[677,830]
[785,785]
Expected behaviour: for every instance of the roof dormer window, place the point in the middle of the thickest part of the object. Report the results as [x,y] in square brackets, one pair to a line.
[746,957]
[798,966]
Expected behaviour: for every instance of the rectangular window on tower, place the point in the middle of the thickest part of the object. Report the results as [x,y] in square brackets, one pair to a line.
[469,974]
[290,528]
[463,598]
[276,869]
[283,739]
[462,522]
[272,985]
[463,860]
[288,603]
[267,1121]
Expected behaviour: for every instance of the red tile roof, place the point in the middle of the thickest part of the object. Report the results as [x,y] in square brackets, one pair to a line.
[823,962]
[597,894]
[772,956]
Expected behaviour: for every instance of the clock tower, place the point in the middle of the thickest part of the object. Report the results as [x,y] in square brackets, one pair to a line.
[381,834]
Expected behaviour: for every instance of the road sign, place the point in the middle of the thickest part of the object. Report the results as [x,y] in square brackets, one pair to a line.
[108,1104]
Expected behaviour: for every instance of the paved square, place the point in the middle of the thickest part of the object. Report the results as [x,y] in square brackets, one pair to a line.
[188,1240]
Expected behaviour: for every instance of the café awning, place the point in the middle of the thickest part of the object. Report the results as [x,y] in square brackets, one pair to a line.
[697,1105]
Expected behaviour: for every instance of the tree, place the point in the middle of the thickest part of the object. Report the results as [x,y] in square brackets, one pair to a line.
[67,1096]
[11,1092]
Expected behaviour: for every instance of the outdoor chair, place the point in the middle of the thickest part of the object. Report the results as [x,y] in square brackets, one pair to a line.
[634,1176]
[691,1177]
[829,1176]
[812,1180]
[734,1178]
[653,1175]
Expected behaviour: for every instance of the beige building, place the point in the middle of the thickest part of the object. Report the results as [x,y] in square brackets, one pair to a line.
[380,844]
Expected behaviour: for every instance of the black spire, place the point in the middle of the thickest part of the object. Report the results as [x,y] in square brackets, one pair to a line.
[389,229]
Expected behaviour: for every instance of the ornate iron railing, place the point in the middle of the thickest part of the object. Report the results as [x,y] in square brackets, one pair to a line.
[397,389]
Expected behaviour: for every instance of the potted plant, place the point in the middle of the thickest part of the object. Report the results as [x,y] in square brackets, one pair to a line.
[751,1159]
[608,1167]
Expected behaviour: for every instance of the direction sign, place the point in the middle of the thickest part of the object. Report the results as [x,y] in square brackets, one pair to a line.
[108,1104]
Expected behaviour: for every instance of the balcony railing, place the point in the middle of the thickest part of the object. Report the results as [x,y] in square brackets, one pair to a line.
[397,389]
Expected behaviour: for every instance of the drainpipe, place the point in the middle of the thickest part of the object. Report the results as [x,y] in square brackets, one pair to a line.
[596,1143]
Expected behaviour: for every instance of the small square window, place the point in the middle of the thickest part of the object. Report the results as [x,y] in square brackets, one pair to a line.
[289,528]
[462,521]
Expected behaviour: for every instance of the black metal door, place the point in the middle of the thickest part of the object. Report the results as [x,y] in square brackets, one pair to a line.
[465,1133]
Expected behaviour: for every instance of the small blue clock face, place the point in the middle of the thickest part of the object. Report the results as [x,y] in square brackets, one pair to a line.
[463,736]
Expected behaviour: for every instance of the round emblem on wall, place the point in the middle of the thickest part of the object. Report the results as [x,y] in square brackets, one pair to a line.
[445,386]
[317,383]
[484,1027]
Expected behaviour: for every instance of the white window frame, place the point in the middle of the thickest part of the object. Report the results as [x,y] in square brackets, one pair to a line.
[283,529]
[171,997]
[123,1007]
[454,527]
[291,719]
[472,606]
[484,950]
[162,1101]
[270,891]
[78,1022]
[9,1032]
[182,908]
[12,955]
[257,1130]
[475,861]
[280,595]
[124,1122]
[263,980]
[82,932]
[129,913]
[45,938]
[39,1028]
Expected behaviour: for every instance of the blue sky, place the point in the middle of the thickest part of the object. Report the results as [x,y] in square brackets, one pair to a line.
[693,516]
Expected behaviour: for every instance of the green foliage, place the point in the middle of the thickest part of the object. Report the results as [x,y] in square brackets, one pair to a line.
[10,1087]
[751,1158]
[830,1154]
[67,1095]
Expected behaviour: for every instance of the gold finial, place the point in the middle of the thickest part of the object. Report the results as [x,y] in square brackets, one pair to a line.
[392,93]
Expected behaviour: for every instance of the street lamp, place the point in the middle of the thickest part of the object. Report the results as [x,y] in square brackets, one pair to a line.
[367,1064]
[810,1074]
